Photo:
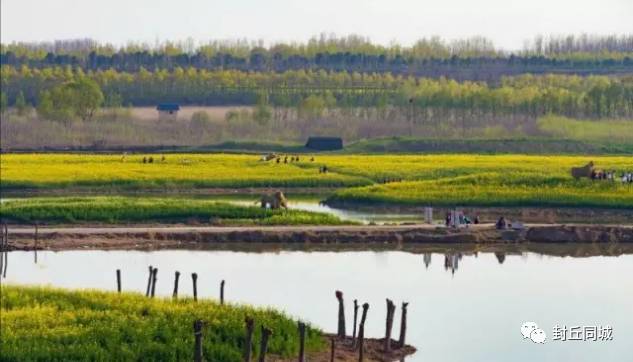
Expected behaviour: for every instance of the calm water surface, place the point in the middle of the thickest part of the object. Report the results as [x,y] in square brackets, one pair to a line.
[463,307]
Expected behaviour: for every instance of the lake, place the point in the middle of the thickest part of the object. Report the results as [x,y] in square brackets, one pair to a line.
[464,306]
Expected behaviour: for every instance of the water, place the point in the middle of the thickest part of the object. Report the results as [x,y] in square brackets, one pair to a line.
[467,308]
[364,217]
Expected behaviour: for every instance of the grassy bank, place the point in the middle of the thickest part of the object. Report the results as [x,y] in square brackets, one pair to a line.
[613,131]
[52,324]
[152,209]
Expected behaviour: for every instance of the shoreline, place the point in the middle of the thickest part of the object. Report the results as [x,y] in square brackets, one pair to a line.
[150,238]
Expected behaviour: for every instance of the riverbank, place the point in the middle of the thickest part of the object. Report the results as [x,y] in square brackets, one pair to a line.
[151,238]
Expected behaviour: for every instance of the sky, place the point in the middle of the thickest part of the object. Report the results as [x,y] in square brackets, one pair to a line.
[507,22]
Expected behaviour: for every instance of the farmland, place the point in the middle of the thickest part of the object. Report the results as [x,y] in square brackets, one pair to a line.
[40,323]
[484,180]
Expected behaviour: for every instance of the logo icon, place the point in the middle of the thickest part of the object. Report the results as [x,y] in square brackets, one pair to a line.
[532,331]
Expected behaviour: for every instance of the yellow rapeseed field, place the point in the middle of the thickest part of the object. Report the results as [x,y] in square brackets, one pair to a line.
[432,179]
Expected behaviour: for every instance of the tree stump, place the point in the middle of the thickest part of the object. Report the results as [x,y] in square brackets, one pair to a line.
[355,319]
[154,279]
[197,348]
[341,314]
[361,333]
[302,341]
[403,325]
[149,281]
[194,278]
[176,278]
[391,309]
[263,346]
[222,292]
[248,346]
[118,280]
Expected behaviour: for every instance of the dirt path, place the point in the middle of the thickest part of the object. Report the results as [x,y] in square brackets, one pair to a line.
[157,237]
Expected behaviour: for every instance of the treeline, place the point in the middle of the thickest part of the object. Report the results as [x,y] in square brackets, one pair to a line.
[572,96]
[467,59]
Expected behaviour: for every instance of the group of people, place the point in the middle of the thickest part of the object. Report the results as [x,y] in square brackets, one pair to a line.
[625,177]
[150,159]
[389,180]
[292,159]
[461,219]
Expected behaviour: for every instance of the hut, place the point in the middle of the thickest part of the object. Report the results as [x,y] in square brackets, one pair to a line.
[325,143]
[167,111]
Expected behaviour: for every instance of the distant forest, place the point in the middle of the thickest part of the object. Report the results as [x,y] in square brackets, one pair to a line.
[572,96]
[467,59]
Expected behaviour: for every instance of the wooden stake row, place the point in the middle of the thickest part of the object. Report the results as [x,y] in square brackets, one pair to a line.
[358,341]
[263,344]
[153,277]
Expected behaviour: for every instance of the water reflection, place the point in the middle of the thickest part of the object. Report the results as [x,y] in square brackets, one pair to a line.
[451,261]
[427,259]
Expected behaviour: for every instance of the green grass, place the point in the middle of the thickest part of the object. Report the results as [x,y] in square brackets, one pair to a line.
[517,145]
[103,209]
[45,324]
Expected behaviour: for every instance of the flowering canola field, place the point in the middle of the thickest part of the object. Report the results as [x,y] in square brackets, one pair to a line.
[510,180]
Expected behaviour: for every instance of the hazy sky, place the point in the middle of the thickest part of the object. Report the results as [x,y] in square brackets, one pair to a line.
[507,22]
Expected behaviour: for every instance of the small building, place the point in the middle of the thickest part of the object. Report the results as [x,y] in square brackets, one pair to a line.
[167,111]
[325,143]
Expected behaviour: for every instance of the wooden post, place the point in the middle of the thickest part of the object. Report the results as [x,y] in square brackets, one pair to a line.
[355,319]
[36,246]
[197,348]
[403,325]
[1,248]
[177,276]
[222,292]
[263,346]
[333,349]
[149,281]
[341,314]
[194,277]
[154,278]
[302,341]
[361,332]
[391,308]
[6,250]
[118,280]
[248,347]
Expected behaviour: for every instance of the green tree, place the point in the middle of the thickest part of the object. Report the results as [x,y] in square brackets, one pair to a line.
[200,121]
[262,113]
[113,100]
[312,107]
[45,106]
[20,103]
[86,97]
[4,103]
[77,98]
